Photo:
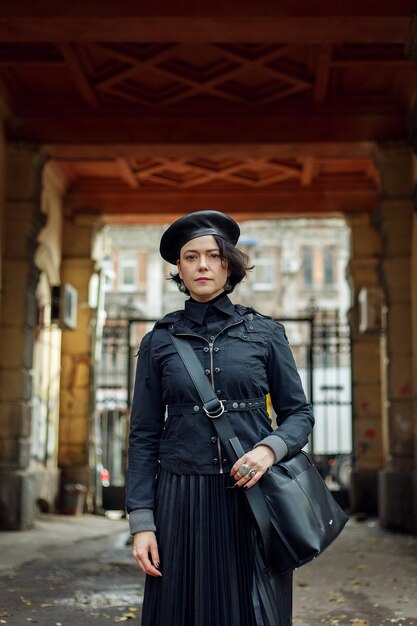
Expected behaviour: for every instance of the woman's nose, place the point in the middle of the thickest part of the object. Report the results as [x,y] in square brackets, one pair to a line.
[203,262]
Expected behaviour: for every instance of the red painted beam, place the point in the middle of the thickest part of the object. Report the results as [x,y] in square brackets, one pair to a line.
[268,129]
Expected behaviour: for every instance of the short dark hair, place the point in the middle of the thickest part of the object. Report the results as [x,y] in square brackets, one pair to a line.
[237,263]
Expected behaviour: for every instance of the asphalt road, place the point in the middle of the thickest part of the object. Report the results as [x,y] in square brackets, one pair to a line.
[368,578]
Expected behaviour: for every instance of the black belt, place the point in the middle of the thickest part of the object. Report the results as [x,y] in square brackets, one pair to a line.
[229,405]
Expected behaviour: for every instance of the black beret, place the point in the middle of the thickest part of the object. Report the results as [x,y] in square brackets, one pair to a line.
[195,225]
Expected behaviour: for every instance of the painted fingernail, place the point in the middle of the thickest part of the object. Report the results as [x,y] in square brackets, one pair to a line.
[158,565]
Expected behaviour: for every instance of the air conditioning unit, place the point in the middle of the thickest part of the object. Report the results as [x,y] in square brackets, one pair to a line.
[290,265]
[370,303]
[64,306]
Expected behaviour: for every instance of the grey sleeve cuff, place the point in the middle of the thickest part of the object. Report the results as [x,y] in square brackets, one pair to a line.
[277,445]
[141,520]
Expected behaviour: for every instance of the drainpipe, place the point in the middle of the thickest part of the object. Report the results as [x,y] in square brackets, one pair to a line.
[95,453]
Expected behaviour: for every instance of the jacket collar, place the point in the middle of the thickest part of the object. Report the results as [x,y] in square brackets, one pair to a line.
[196,311]
[175,320]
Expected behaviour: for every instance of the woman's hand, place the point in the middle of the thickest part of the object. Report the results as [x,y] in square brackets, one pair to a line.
[260,459]
[144,543]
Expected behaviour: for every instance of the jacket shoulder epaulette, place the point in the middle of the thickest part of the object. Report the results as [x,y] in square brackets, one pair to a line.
[248,310]
[168,319]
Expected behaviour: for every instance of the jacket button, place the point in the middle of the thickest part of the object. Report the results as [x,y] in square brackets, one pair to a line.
[225,461]
[196,408]
[212,338]
[219,392]
[206,349]
[216,370]
[250,327]
[215,461]
[235,405]
[207,372]
[242,405]
[213,439]
[244,336]
[216,349]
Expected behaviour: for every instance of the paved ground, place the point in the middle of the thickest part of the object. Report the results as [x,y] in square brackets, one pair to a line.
[78,571]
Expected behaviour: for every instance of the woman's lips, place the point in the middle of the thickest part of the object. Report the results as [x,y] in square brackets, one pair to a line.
[202,280]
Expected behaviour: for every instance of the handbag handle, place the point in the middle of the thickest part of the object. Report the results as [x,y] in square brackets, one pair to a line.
[214,409]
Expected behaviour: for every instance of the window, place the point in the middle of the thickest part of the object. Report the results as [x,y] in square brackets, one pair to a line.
[319,267]
[263,274]
[329,273]
[128,276]
[308,266]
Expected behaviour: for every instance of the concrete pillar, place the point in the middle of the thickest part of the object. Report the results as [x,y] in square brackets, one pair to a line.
[366,368]
[2,194]
[76,431]
[395,216]
[47,346]
[23,221]
[414,349]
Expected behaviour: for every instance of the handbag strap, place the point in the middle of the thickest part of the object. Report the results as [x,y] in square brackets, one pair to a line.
[215,410]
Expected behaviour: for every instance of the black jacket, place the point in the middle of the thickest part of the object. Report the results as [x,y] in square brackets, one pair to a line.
[246,357]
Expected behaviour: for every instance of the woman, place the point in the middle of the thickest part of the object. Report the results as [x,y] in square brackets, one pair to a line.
[193,535]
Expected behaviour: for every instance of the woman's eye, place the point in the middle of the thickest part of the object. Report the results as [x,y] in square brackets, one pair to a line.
[190,257]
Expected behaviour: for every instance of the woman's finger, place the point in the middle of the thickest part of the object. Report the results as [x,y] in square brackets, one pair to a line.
[144,562]
[252,477]
[155,556]
[144,547]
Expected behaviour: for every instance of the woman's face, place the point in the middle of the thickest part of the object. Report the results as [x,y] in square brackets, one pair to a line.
[201,268]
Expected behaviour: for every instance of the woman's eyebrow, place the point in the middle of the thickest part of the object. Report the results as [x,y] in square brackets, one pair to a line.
[198,251]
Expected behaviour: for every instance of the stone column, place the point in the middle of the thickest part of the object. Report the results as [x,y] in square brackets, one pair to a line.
[366,368]
[2,193]
[394,216]
[414,349]
[76,410]
[23,221]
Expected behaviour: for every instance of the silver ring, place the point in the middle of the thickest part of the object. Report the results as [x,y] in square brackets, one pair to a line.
[252,473]
[244,470]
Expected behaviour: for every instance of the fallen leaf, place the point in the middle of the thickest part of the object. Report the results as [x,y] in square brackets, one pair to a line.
[124,617]
[46,605]
[336,596]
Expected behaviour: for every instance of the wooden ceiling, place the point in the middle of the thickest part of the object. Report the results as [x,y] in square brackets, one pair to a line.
[149,109]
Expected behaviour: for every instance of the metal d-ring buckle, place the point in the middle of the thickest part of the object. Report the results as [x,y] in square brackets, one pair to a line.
[213,415]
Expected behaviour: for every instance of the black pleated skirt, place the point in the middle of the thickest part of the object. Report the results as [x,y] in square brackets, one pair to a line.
[212,569]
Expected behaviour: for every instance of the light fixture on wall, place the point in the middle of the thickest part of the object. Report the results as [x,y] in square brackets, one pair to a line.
[64,306]
[370,309]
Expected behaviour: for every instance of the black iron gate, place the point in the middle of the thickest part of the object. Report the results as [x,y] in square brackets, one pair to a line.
[321,348]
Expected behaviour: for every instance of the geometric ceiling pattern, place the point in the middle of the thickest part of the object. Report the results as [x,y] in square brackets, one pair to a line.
[149,110]
[166,74]
[162,75]
[231,172]
[258,185]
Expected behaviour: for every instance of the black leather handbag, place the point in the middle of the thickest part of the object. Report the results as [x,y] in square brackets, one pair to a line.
[295,513]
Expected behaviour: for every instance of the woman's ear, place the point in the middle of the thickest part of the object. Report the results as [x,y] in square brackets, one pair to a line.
[179,269]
